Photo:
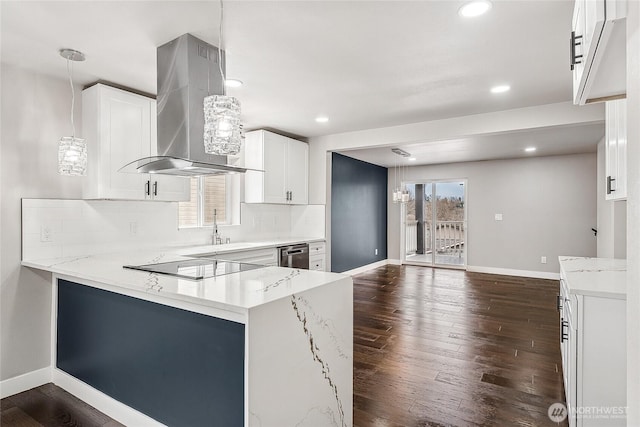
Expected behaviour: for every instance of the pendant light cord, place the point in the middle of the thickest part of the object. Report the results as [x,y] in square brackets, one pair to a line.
[224,80]
[73,96]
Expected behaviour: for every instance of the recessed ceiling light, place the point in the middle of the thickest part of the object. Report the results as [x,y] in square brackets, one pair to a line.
[475,8]
[322,119]
[500,89]
[412,159]
[233,83]
[530,149]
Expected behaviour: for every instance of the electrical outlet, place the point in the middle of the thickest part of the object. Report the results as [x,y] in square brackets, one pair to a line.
[133,228]
[543,260]
[45,234]
[375,252]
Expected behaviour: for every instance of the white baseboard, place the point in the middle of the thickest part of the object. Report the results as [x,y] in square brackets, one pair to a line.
[370,266]
[25,382]
[103,403]
[512,272]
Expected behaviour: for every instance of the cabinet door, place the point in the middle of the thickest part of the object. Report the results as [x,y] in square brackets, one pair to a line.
[578,27]
[125,129]
[297,172]
[616,149]
[275,154]
[611,150]
[621,145]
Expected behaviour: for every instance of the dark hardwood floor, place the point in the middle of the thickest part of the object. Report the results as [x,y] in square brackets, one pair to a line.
[50,406]
[446,347]
[431,347]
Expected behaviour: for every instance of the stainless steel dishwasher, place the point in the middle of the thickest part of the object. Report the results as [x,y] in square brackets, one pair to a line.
[294,256]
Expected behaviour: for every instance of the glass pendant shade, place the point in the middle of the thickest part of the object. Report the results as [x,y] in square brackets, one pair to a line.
[395,197]
[72,156]
[223,133]
[404,198]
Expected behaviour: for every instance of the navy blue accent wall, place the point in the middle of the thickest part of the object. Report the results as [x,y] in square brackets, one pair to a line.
[358,213]
[179,367]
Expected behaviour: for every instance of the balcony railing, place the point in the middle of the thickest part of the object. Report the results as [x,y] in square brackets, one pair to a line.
[449,238]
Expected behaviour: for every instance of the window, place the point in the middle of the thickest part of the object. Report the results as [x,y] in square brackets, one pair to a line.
[208,194]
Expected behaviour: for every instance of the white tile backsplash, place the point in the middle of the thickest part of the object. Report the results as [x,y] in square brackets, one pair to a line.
[83,227]
[308,220]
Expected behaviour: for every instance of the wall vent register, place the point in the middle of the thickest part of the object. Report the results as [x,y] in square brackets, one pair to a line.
[196,268]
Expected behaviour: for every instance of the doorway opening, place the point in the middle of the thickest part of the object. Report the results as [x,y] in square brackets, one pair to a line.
[435,224]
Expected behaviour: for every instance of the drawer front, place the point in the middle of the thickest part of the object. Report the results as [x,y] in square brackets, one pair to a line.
[316,263]
[316,248]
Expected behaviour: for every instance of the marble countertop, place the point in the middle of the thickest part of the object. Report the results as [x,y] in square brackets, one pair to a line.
[237,292]
[603,277]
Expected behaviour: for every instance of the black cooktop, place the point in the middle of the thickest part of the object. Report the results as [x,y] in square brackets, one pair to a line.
[196,268]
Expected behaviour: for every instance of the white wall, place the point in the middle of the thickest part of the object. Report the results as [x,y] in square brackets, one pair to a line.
[612,216]
[35,114]
[633,213]
[548,206]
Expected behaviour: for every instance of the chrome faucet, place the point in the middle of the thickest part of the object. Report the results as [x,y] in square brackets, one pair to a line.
[216,238]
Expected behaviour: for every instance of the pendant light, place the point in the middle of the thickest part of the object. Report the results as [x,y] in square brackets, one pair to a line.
[400,192]
[72,151]
[223,133]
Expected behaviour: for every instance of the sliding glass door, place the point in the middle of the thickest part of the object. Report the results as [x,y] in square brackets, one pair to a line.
[435,224]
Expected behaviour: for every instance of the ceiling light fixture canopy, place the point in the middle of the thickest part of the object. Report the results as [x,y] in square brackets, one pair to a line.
[475,8]
[322,119]
[530,149]
[401,152]
[223,132]
[72,151]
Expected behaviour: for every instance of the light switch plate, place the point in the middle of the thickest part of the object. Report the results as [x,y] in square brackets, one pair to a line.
[498,217]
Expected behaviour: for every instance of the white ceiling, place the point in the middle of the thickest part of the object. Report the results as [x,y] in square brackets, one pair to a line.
[364,64]
[548,142]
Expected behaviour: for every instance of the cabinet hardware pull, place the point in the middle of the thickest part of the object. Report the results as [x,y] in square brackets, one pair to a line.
[155,188]
[564,337]
[147,188]
[609,181]
[573,42]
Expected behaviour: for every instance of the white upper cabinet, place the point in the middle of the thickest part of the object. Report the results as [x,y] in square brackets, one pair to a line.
[616,150]
[285,162]
[120,127]
[598,50]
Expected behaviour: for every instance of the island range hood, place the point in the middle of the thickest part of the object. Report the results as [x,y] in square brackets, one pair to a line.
[188,71]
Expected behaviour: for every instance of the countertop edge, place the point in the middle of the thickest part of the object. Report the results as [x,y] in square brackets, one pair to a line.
[619,269]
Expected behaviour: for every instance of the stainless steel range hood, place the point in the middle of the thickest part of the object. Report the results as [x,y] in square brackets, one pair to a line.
[188,71]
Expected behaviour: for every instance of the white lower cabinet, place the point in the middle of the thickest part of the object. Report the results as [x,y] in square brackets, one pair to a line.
[593,347]
[317,256]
